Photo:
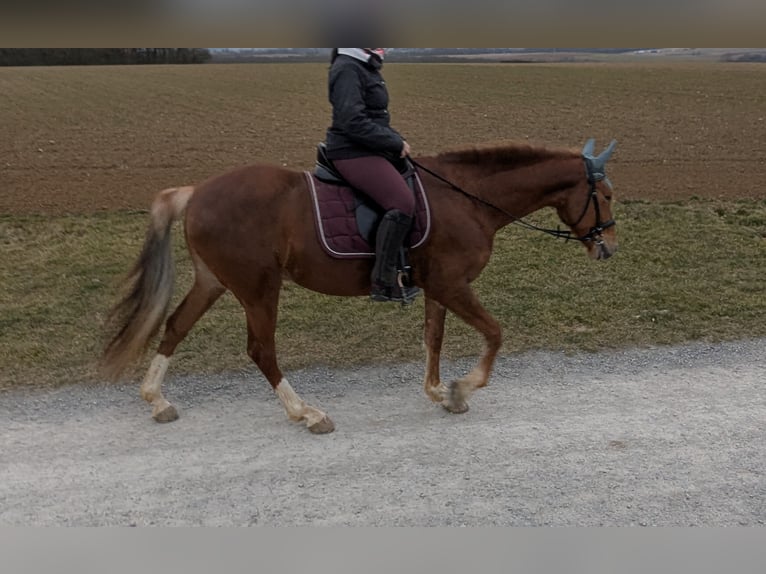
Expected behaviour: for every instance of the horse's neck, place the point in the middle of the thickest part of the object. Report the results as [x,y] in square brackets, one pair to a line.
[522,190]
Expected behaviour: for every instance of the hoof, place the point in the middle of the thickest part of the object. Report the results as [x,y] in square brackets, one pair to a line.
[323,427]
[456,409]
[166,415]
[455,403]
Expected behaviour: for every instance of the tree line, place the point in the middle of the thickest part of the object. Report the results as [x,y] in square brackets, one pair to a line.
[101,56]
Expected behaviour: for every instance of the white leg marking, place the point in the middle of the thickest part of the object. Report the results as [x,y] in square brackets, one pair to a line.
[435,390]
[465,387]
[151,388]
[475,378]
[297,409]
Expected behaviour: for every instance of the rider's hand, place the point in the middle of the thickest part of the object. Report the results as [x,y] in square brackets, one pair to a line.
[405,150]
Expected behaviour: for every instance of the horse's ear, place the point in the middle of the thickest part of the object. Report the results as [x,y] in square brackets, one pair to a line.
[607,153]
[589,148]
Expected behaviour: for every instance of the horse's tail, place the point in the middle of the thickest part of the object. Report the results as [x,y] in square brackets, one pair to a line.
[137,317]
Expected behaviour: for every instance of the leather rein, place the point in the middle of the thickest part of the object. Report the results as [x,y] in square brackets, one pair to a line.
[595,232]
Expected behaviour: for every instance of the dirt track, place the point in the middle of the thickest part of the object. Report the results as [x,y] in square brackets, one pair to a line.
[656,437]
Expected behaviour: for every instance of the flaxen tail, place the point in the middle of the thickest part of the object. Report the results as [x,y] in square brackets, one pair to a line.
[137,318]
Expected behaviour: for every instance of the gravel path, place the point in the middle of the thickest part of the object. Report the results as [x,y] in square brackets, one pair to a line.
[669,436]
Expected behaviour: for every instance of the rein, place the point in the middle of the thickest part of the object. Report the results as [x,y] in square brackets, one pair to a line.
[592,235]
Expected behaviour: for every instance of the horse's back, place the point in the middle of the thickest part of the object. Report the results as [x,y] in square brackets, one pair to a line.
[255,184]
[253,191]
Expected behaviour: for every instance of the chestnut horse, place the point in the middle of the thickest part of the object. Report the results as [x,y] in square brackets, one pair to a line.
[251,228]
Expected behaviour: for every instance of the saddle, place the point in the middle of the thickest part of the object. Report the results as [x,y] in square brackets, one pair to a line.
[347,220]
[368,213]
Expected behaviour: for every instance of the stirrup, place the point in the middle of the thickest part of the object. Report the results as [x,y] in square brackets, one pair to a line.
[407,290]
[397,294]
[407,295]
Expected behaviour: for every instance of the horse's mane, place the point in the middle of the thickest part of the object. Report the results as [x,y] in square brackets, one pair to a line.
[507,154]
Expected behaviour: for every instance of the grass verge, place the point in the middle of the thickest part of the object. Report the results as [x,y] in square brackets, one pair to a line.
[688,271]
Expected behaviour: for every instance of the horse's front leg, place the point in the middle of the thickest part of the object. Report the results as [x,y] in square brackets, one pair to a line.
[466,306]
[433,336]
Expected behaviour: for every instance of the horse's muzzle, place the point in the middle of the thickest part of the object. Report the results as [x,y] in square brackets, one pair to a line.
[605,251]
[601,249]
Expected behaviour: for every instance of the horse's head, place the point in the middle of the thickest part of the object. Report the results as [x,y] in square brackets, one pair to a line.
[588,207]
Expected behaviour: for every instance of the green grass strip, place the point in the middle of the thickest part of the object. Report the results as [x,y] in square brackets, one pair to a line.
[691,271]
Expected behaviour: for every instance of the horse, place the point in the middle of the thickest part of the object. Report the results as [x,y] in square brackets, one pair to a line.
[246,232]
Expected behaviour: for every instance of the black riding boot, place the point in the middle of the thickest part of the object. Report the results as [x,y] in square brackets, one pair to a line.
[388,242]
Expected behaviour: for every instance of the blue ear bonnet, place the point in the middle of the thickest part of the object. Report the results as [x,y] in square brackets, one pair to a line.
[596,166]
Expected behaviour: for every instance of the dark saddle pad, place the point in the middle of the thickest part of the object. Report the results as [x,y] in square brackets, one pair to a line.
[347,221]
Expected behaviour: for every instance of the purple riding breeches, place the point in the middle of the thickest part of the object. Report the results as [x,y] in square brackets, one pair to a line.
[380,181]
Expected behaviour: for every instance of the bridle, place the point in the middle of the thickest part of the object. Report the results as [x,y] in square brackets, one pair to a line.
[594,234]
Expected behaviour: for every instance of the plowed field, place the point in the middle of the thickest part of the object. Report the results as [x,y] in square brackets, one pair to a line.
[83,140]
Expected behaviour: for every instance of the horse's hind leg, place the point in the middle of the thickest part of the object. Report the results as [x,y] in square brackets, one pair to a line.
[433,336]
[205,291]
[261,326]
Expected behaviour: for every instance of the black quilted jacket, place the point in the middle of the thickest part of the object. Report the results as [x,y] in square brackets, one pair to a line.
[360,120]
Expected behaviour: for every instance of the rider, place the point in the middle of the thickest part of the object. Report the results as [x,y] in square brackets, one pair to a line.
[359,141]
